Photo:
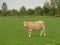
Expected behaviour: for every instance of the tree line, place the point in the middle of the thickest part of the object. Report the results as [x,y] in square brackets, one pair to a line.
[48,9]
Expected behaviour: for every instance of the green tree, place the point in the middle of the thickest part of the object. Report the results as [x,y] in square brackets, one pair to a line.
[46,8]
[52,3]
[52,11]
[38,10]
[14,12]
[9,13]
[4,8]
[1,13]
[57,2]
[22,11]
[30,12]
[55,7]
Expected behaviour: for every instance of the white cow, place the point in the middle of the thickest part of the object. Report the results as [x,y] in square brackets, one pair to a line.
[38,25]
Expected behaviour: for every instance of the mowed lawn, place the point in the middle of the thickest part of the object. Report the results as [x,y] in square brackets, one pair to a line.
[12,31]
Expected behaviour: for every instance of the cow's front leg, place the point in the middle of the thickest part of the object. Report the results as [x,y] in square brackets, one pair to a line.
[30,33]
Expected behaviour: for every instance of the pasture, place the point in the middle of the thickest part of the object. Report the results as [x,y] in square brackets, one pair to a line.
[12,31]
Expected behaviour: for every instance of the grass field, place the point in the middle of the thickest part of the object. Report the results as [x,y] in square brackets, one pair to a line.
[12,31]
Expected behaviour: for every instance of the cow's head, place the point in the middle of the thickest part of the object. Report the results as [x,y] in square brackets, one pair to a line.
[25,24]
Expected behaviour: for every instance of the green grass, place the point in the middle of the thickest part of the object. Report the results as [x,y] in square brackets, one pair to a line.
[12,31]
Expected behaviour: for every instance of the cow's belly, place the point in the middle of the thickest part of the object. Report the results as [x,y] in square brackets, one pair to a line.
[35,27]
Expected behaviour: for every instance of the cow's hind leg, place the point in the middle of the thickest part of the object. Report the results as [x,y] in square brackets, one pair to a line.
[44,33]
[41,33]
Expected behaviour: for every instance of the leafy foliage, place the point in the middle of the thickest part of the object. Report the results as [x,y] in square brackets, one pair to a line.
[23,11]
[38,10]
[48,9]
[30,12]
